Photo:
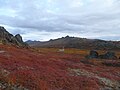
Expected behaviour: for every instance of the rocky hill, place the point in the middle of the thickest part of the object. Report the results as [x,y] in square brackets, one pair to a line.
[33,43]
[80,43]
[9,39]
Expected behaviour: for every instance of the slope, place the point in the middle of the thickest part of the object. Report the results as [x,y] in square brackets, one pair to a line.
[80,43]
[34,69]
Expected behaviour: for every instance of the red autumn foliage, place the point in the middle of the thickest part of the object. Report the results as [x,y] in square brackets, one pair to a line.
[49,71]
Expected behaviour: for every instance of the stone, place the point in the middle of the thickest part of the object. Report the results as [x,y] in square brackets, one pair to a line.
[93,54]
[9,39]
[108,55]
[19,38]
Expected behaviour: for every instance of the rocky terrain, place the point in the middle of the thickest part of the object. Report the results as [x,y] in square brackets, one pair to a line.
[80,43]
[7,38]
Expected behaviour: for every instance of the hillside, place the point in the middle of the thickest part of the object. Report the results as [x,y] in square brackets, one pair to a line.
[47,69]
[7,38]
[75,42]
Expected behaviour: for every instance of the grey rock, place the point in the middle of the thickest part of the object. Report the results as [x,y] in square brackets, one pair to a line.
[19,38]
[7,38]
[93,54]
[108,55]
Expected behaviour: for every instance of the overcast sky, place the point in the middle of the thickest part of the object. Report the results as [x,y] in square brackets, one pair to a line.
[48,19]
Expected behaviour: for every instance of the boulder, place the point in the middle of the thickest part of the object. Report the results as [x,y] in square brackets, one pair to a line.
[108,55]
[93,54]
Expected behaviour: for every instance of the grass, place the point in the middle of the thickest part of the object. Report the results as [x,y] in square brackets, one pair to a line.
[67,50]
[81,52]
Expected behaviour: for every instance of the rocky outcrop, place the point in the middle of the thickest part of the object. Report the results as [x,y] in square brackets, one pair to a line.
[7,38]
[107,55]
[19,38]
[93,54]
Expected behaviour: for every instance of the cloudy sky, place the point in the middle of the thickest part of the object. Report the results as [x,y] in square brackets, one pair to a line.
[48,19]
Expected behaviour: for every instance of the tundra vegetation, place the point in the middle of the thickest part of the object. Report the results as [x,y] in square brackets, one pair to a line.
[47,69]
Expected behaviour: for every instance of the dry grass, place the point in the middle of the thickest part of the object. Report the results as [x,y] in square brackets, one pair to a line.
[81,52]
[67,50]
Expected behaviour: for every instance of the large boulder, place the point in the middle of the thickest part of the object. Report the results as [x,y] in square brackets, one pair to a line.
[108,55]
[93,54]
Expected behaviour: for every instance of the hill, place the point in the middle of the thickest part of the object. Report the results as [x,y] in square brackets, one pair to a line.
[9,39]
[33,43]
[75,42]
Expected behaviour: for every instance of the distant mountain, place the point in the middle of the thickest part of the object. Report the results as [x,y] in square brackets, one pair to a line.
[75,42]
[33,43]
[7,38]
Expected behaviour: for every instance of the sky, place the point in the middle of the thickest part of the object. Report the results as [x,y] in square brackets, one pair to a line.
[49,19]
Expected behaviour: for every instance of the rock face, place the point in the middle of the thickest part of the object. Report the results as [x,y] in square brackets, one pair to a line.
[19,38]
[7,38]
[108,55]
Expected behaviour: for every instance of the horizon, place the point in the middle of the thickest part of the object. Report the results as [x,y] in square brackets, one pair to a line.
[43,20]
[74,37]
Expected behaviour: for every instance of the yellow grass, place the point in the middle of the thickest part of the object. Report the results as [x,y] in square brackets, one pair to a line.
[81,52]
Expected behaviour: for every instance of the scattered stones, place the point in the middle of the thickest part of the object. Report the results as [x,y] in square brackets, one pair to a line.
[4,72]
[114,85]
[2,51]
[4,85]
[25,68]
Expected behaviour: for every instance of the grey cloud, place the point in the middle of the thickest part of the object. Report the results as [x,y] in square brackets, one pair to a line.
[88,18]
